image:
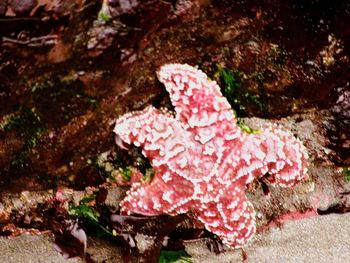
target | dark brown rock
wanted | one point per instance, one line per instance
(339, 126)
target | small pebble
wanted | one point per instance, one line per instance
(21, 7)
(3, 7)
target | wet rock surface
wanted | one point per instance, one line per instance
(69, 68)
(338, 127)
(92, 82)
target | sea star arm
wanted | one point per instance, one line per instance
(275, 152)
(157, 133)
(198, 102)
(168, 147)
(232, 217)
(286, 157)
(158, 197)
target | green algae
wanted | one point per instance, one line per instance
(27, 124)
(237, 95)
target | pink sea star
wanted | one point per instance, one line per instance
(203, 160)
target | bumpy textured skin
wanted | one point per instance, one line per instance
(202, 160)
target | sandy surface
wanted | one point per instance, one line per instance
(31, 249)
(317, 239)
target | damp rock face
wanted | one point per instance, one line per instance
(339, 127)
(103, 60)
